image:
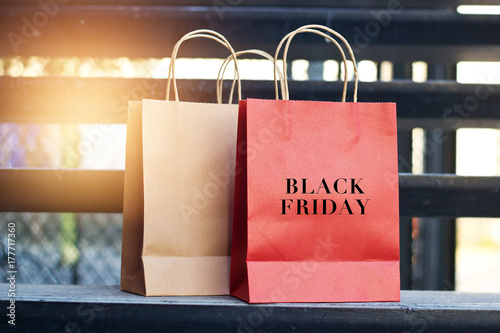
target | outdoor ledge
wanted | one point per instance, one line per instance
(65, 308)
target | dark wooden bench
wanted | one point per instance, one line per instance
(55, 308)
(426, 30)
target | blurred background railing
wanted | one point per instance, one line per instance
(69, 68)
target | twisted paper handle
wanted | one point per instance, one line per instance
(312, 29)
(220, 77)
(205, 33)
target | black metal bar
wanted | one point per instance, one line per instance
(435, 246)
(405, 164)
(315, 70)
(405, 223)
(70, 190)
(401, 71)
(400, 35)
(58, 308)
(443, 105)
(437, 236)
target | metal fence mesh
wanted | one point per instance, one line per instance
(64, 248)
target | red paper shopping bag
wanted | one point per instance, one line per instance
(316, 201)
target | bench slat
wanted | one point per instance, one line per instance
(61, 190)
(56, 308)
(441, 195)
(441, 104)
(152, 31)
(276, 3)
(46, 190)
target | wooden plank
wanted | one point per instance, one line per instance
(151, 31)
(61, 190)
(51, 190)
(440, 105)
(72, 100)
(438, 195)
(274, 3)
(58, 308)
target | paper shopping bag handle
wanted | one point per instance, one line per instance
(220, 77)
(287, 37)
(205, 33)
(311, 28)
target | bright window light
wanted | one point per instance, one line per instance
(250, 69)
(417, 150)
(367, 71)
(477, 152)
(350, 70)
(485, 72)
(330, 70)
(419, 71)
(299, 70)
(479, 10)
(386, 71)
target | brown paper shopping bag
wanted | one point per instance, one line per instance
(179, 183)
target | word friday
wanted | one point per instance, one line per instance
(311, 206)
